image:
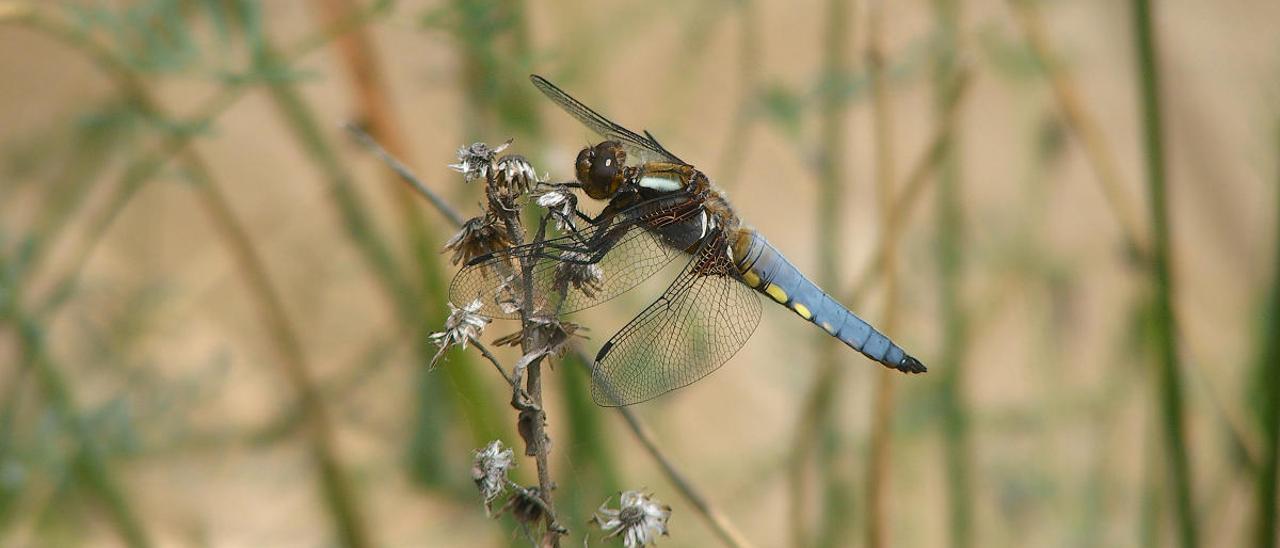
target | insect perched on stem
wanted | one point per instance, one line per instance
(659, 208)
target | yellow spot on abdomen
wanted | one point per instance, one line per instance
(830, 328)
(777, 293)
(803, 311)
(751, 278)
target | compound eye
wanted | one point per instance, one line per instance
(583, 165)
(604, 168)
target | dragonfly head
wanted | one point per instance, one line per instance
(600, 169)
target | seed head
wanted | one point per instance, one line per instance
(476, 161)
(462, 325)
(478, 236)
(489, 471)
(576, 271)
(525, 505)
(563, 204)
(514, 175)
(639, 520)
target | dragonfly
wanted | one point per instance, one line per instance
(658, 209)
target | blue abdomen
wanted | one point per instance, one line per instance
(765, 269)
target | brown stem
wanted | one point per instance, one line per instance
(921, 173)
(1084, 125)
(878, 471)
(714, 518)
(532, 419)
(496, 364)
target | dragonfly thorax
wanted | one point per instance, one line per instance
(601, 169)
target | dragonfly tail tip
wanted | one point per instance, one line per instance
(911, 365)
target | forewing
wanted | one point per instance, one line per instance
(691, 330)
(623, 254)
(644, 145)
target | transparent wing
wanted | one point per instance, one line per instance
(570, 273)
(691, 330)
(644, 145)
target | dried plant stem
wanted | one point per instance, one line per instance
(714, 518)
(918, 177)
(878, 472)
(912, 187)
(1084, 125)
(339, 494)
(404, 173)
(484, 351)
(1168, 377)
(719, 523)
(374, 105)
(532, 414)
(737, 141)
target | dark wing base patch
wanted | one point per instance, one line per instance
(703, 319)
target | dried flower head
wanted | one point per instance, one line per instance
(576, 270)
(476, 161)
(462, 325)
(514, 175)
(525, 505)
(479, 235)
(639, 521)
(563, 205)
(506, 295)
(489, 471)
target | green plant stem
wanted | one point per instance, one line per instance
(144, 168)
(1168, 376)
(1102, 160)
(595, 470)
(376, 110)
(1267, 393)
(340, 496)
(89, 460)
(832, 177)
(878, 461)
(950, 250)
(402, 295)
(912, 186)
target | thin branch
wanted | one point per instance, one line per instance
(917, 180)
(362, 137)
(1085, 126)
(484, 351)
(1168, 375)
(719, 523)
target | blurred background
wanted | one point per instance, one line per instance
(214, 307)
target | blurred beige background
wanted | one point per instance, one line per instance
(163, 350)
